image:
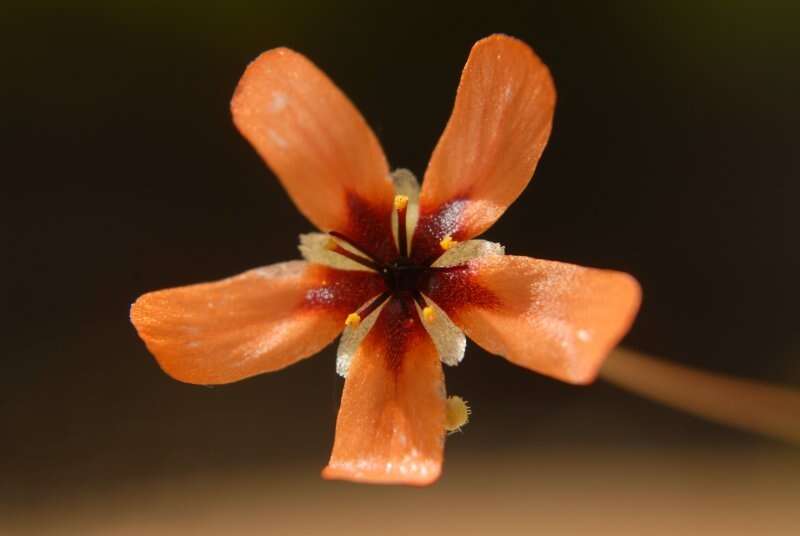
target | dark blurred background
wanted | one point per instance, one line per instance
(674, 156)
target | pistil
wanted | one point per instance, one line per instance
(334, 246)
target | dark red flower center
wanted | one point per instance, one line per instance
(404, 278)
(406, 275)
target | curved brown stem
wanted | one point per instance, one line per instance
(750, 405)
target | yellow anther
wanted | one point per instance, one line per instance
(352, 320)
(428, 314)
(457, 414)
(331, 244)
(447, 242)
(400, 202)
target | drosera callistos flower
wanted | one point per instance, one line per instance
(396, 270)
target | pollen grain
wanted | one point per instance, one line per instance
(400, 202)
(331, 244)
(448, 243)
(352, 320)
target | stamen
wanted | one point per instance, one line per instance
(353, 320)
(448, 243)
(333, 245)
(428, 314)
(457, 414)
(374, 304)
(401, 206)
(417, 295)
(361, 249)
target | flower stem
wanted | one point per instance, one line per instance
(750, 405)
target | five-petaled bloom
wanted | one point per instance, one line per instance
(397, 268)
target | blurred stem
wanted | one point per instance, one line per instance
(746, 404)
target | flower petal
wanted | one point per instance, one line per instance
(318, 145)
(554, 318)
(390, 427)
(491, 145)
(258, 321)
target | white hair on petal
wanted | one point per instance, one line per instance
(464, 252)
(315, 248)
(351, 339)
(449, 340)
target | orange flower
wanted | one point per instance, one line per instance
(398, 271)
